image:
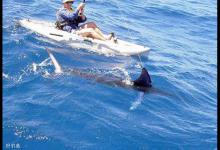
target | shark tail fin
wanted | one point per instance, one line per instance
(144, 79)
(57, 66)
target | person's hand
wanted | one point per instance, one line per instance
(81, 6)
(81, 12)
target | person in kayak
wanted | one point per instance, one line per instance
(69, 20)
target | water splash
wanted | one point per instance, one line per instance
(127, 79)
(39, 67)
(5, 75)
(138, 101)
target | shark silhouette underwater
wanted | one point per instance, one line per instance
(142, 83)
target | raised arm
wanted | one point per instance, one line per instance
(69, 15)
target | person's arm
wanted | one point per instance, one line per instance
(82, 19)
(69, 15)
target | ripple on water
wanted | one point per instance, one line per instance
(49, 111)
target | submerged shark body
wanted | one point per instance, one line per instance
(143, 83)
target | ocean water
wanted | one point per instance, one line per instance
(42, 110)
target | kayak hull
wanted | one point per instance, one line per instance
(48, 30)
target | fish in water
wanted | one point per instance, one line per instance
(143, 83)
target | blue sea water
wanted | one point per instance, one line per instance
(43, 111)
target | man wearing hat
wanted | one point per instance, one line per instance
(69, 20)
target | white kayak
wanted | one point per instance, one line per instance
(47, 29)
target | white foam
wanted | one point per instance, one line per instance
(34, 65)
(138, 101)
(127, 79)
(138, 66)
(5, 75)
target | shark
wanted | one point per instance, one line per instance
(142, 83)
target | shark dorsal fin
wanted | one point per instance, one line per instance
(144, 79)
